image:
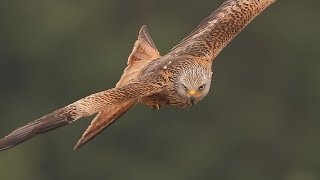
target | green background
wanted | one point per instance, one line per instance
(260, 120)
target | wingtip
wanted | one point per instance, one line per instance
(4, 147)
(79, 144)
(144, 26)
(76, 147)
(143, 29)
(5, 144)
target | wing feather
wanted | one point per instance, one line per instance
(217, 30)
(82, 108)
(143, 52)
(103, 120)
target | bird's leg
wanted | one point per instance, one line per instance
(156, 107)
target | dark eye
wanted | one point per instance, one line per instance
(185, 88)
(201, 88)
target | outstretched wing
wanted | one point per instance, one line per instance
(217, 30)
(81, 108)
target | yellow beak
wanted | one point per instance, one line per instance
(192, 92)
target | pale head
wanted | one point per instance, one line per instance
(194, 83)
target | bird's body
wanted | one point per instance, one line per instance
(166, 73)
(180, 78)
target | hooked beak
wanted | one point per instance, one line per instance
(193, 100)
(192, 94)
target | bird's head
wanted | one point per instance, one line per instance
(194, 83)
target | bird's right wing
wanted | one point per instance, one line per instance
(216, 31)
(82, 108)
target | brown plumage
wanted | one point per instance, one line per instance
(180, 78)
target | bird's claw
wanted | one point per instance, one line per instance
(156, 107)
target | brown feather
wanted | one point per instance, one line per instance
(144, 48)
(103, 120)
(217, 30)
(44, 124)
(143, 52)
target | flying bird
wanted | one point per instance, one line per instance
(181, 78)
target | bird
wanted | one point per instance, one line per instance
(180, 78)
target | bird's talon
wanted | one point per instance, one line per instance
(156, 107)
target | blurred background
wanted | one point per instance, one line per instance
(260, 120)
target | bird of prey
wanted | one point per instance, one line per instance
(180, 78)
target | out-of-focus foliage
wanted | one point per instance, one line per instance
(260, 121)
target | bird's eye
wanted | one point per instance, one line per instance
(201, 88)
(185, 88)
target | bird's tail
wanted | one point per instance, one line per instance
(44, 124)
(103, 120)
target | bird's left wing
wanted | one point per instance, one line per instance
(217, 30)
(82, 108)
